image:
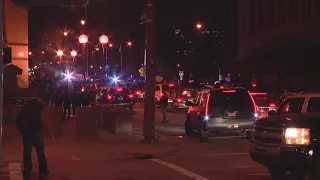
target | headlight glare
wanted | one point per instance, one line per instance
(297, 136)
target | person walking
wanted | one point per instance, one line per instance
(29, 123)
(164, 106)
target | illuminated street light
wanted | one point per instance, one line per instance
(30, 53)
(129, 43)
(83, 39)
(103, 39)
(199, 26)
(73, 54)
(110, 45)
(60, 53)
(65, 33)
(83, 22)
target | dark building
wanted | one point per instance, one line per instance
(279, 40)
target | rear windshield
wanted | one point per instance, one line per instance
(232, 98)
(261, 100)
(119, 92)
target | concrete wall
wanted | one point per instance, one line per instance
(16, 31)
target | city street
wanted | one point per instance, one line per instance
(125, 158)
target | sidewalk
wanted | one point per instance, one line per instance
(69, 157)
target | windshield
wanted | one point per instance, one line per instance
(291, 105)
(235, 99)
(119, 92)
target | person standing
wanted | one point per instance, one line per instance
(164, 105)
(76, 101)
(30, 125)
(66, 105)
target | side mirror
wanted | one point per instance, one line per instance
(271, 113)
(188, 103)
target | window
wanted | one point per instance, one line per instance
(314, 105)
(291, 105)
(231, 99)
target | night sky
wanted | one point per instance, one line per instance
(120, 19)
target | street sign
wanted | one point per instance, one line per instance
(141, 71)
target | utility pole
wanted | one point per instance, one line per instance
(1, 74)
(149, 106)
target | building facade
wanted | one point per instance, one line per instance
(16, 36)
(259, 20)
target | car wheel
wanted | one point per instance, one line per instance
(204, 135)
(276, 173)
(188, 128)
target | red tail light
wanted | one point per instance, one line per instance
(189, 95)
(254, 85)
(179, 100)
(161, 94)
(109, 97)
(138, 92)
(171, 85)
(130, 96)
(272, 105)
(119, 89)
(231, 91)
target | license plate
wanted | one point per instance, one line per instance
(233, 126)
(234, 114)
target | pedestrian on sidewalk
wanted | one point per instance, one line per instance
(164, 105)
(30, 125)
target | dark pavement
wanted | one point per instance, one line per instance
(118, 157)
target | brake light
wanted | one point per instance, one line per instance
(130, 96)
(109, 97)
(253, 94)
(230, 91)
(161, 94)
(179, 100)
(171, 85)
(221, 87)
(119, 89)
(272, 105)
(189, 95)
(138, 92)
(254, 85)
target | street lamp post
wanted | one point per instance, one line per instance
(73, 54)
(60, 54)
(83, 39)
(104, 40)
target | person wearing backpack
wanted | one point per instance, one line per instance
(29, 123)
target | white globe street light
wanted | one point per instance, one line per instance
(83, 39)
(104, 39)
(60, 54)
(73, 54)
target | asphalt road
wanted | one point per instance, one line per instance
(224, 157)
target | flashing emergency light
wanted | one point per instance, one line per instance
(115, 79)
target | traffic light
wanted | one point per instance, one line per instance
(7, 55)
(51, 3)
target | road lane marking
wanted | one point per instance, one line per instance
(15, 171)
(75, 158)
(223, 154)
(179, 169)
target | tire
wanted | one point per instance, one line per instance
(277, 174)
(188, 128)
(204, 136)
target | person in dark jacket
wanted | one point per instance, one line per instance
(30, 125)
(164, 105)
(66, 105)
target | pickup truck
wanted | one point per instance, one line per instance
(287, 141)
